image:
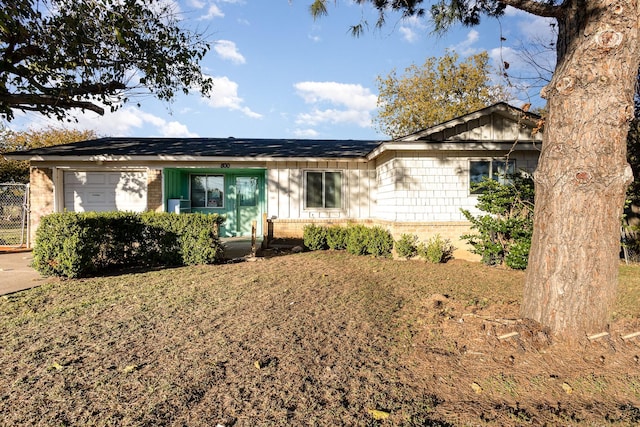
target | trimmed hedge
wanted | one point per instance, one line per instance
(73, 244)
(357, 239)
(314, 237)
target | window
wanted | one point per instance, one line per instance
(207, 191)
(498, 170)
(323, 189)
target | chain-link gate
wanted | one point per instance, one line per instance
(14, 214)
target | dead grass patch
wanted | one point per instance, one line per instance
(308, 339)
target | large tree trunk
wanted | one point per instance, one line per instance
(583, 174)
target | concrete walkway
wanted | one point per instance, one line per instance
(237, 247)
(16, 274)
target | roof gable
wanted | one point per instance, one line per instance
(497, 123)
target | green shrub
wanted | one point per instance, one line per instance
(194, 237)
(518, 255)
(379, 242)
(503, 234)
(407, 246)
(436, 250)
(314, 237)
(357, 239)
(64, 246)
(337, 237)
(82, 244)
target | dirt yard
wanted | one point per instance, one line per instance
(319, 339)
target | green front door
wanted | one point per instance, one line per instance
(247, 203)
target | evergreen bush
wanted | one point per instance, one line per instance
(436, 250)
(379, 242)
(503, 234)
(314, 237)
(73, 244)
(337, 237)
(407, 246)
(357, 239)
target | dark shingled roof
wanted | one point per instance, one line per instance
(211, 147)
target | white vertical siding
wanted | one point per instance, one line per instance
(285, 187)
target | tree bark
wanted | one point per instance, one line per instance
(583, 175)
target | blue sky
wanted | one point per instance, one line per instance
(280, 74)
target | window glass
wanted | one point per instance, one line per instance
(314, 190)
(215, 187)
(207, 191)
(198, 191)
(498, 170)
(478, 170)
(502, 172)
(323, 190)
(332, 187)
(247, 189)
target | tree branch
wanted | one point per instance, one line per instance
(544, 10)
(96, 88)
(32, 102)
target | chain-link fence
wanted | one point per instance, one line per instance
(14, 214)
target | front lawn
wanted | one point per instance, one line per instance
(320, 338)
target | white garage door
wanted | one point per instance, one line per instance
(105, 191)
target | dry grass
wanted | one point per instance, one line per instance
(308, 339)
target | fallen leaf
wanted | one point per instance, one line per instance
(257, 364)
(567, 388)
(378, 415)
(476, 387)
(56, 366)
(129, 368)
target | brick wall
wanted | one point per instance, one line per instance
(40, 197)
(154, 190)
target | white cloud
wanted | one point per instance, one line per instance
(122, 122)
(356, 102)
(499, 55)
(530, 27)
(411, 28)
(316, 117)
(225, 95)
(228, 50)
(198, 4)
(408, 34)
(537, 28)
(305, 133)
(213, 12)
(466, 47)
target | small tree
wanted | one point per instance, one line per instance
(504, 233)
(18, 170)
(443, 88)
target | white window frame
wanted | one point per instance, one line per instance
(324, 193)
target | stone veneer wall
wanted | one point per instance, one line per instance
(41, 199)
